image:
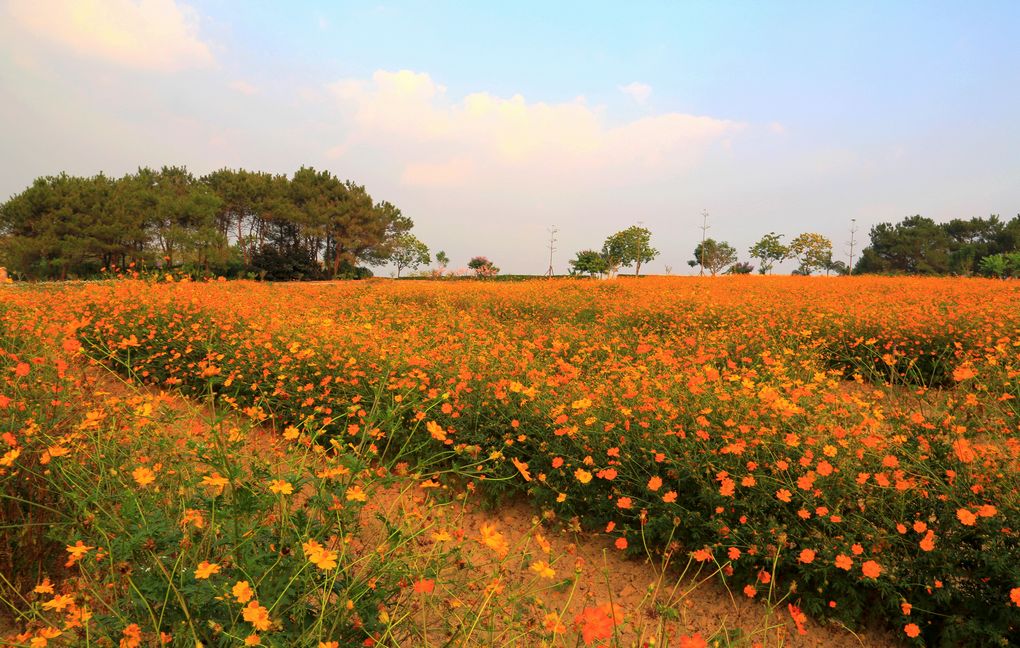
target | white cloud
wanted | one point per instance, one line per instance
(157, 35)
(448, 173)
(410, 117)
(637, 91)
(243, 87)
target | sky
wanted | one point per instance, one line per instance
(488, 123)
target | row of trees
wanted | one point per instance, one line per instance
(919, 245)
(626, 248)
(309, 225)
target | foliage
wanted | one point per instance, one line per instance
(1001, 266)
(409, 252)
(64, 226)
(628, 247)
(482, 267)
(769, 250)
(589, 262)
(713, 256)
(919, 245)
(442, 259)
(813, 251)
(740, 268)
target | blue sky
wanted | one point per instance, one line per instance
(488, 122)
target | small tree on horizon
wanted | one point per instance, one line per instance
(590, 262)
(769, 250)
(628, 247)
(814, 252)
(409, 252)
(482, 267)
(715, 255)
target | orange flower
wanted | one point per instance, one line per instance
(750, 591)
(621, 543)
(1014, 595)
(242, 591)
(424, 586)
(871, 569)
(494, 540)
(692, 641)
(843, 562)
(45, 587)
(597, 623)
(669, 497)
(582, 475)
(281, 487)
(356, 494)
(783, 495)
(624, 502)
(58, 602)
(912, 630)
(543, 570)
(966, 517)
(799, 618)
(257, 615)
(522, 468)
(702, 555)
(655, 483)
(806, 556)
(143, 476)
(206, 569)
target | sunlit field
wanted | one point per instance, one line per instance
(239, 463)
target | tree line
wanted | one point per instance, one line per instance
(915, 246)
(230, 222)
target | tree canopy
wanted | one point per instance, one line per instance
(713, 256)
(919, 245)
(310, 225)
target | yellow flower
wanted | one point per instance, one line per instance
(582, 475)
(143, 476)
(242, 591)
(291, 433)
(252, 640)
(542, 569)
(494, 540)
(280, 486)
(355, 494)
(319, 556)
(215, 482)
(257, 615)
(206, 569)
(58, 602)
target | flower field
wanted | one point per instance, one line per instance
(848, 448)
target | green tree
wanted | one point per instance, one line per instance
(769, 250)
(409, 252)
(917, 245)
(713, 256)
(482, 267)
(813, 251)
(628, 247)
(590, 262)
(442, 259)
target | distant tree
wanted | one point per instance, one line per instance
(812, 250)
(482, 267)
(628, 247)
(713, 255)
(769, 250)
(409, 252)
(916, 245)
(590, 262)
(442, 260)
(740, 268)
(834, 266)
